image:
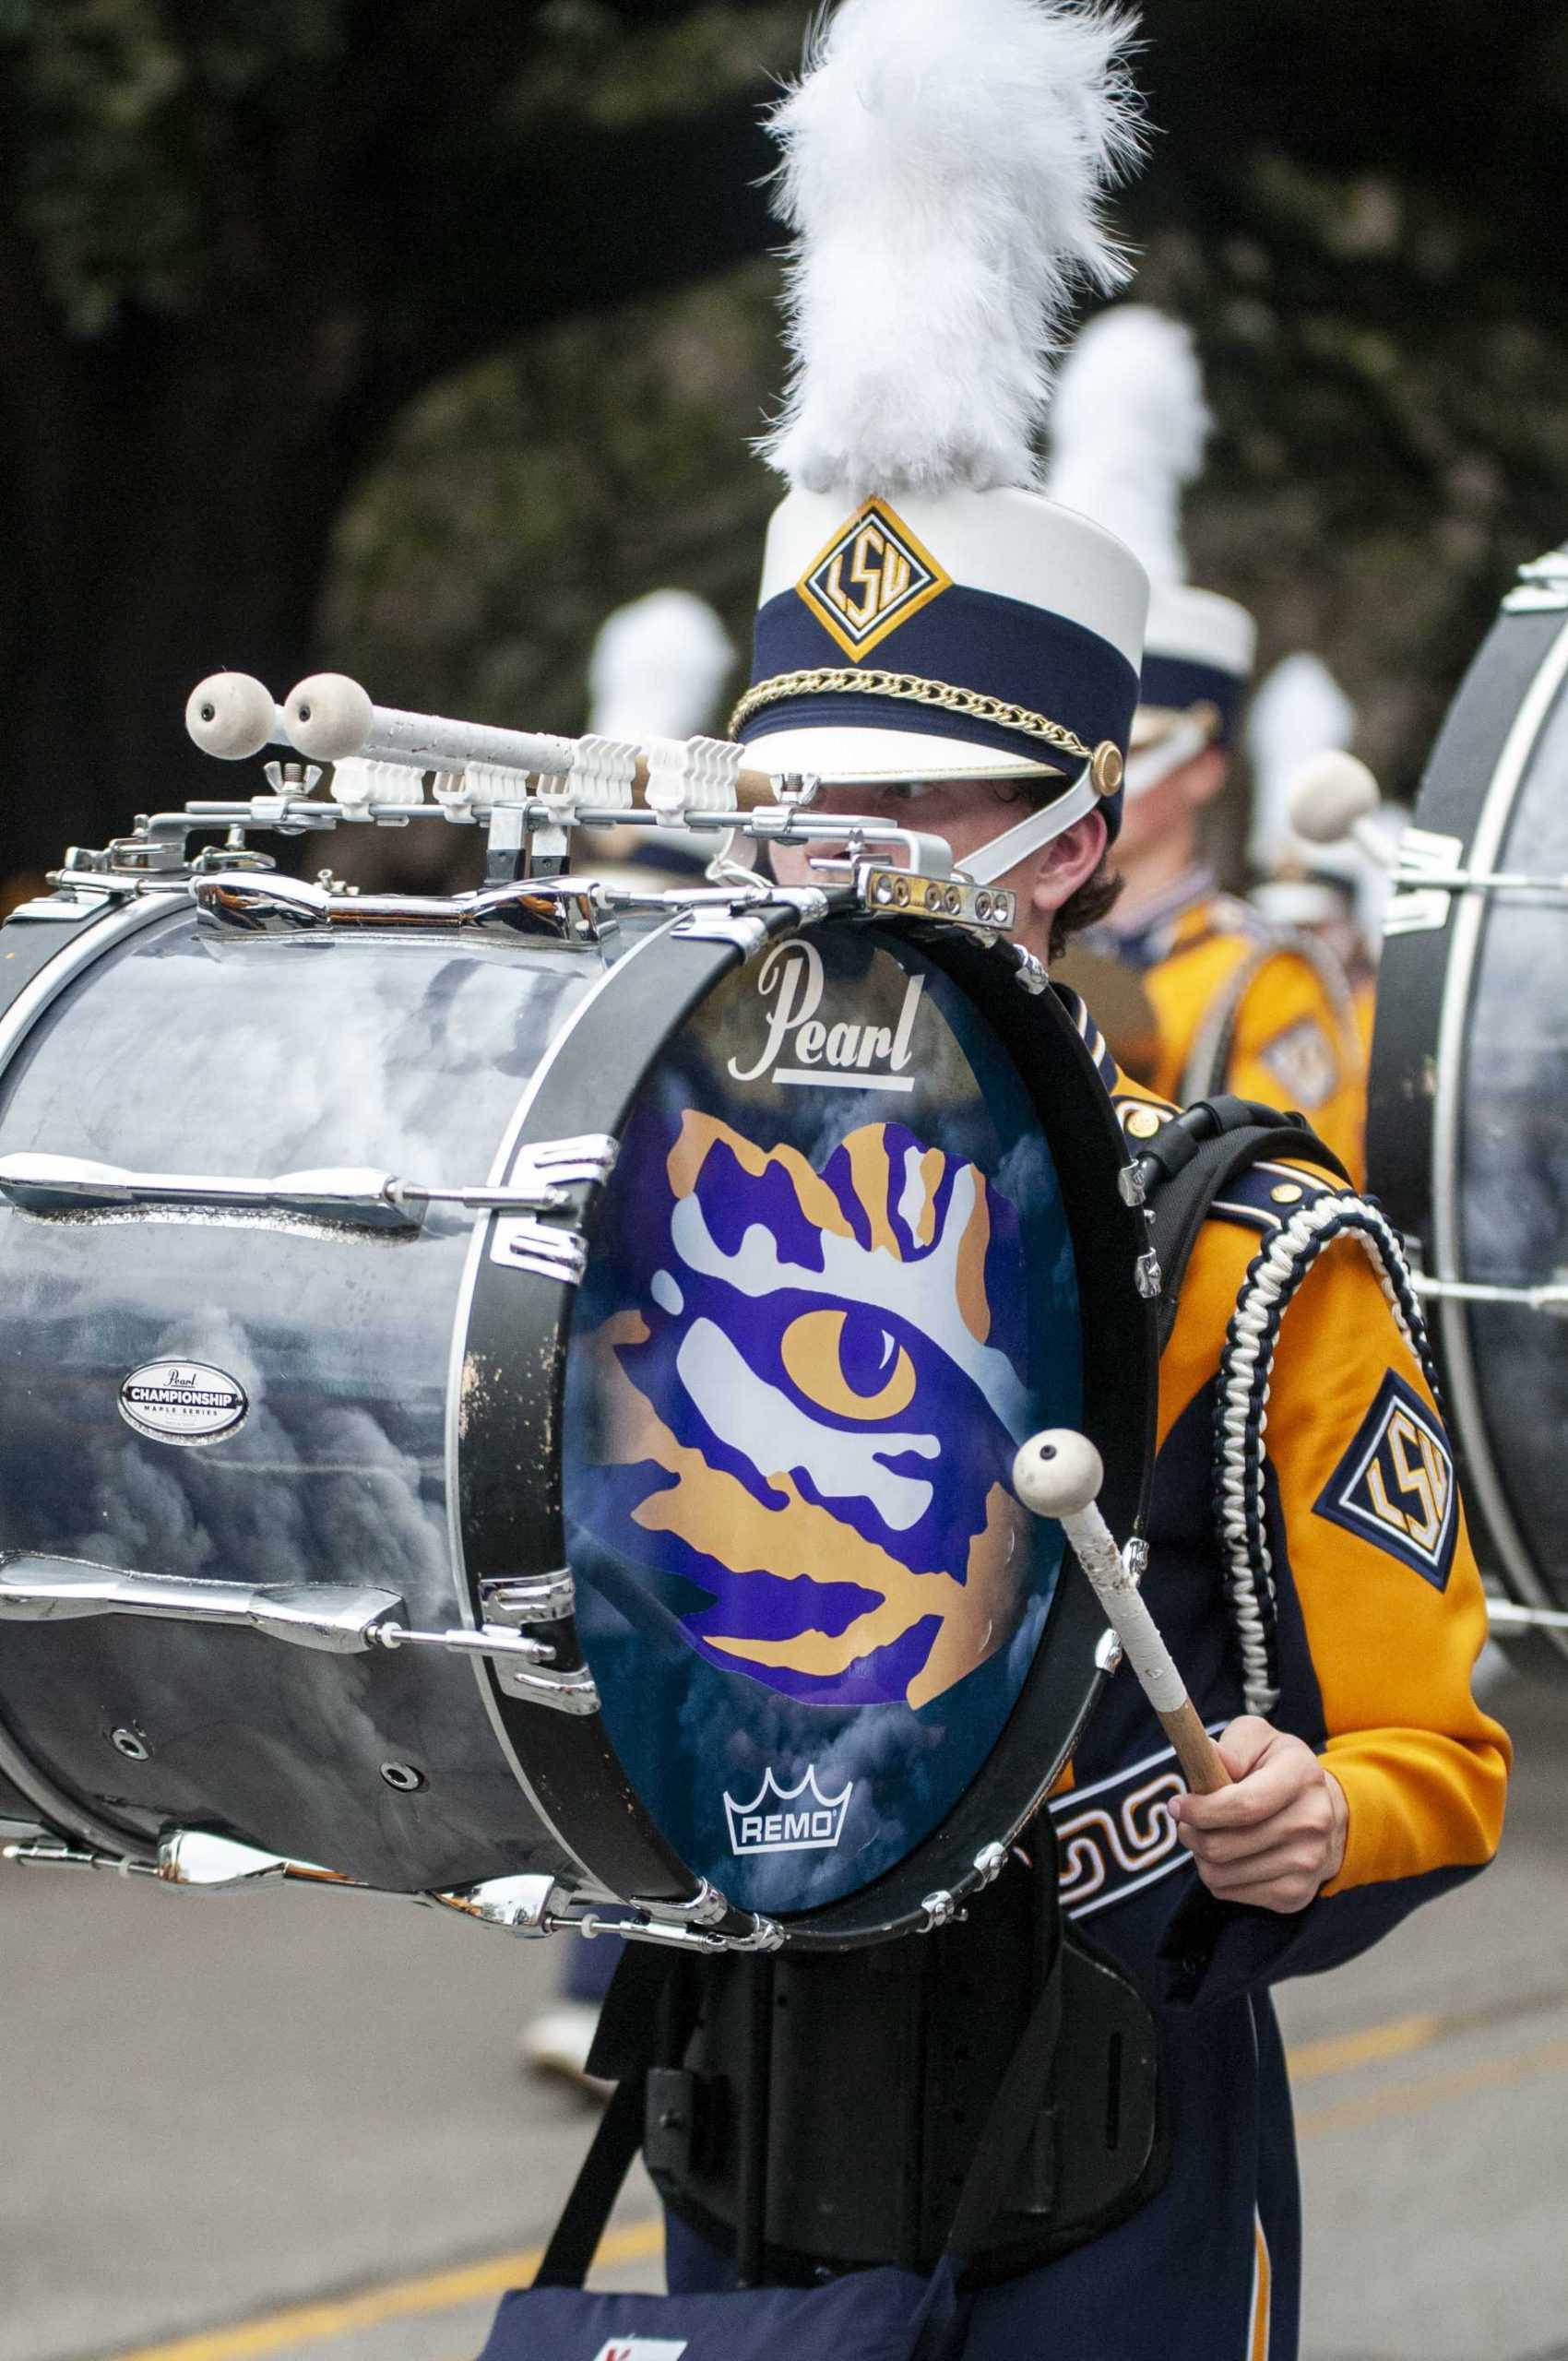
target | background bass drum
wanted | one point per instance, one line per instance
(1468, 1130)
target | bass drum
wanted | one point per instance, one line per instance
(694, 1473)
(1467, 1130)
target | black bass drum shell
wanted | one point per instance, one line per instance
(1467, 1118)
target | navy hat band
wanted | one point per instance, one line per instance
(1176, 684)
(991, 646)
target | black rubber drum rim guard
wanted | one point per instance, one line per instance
(515, 1359)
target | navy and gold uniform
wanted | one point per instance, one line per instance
(1362, 1647)
(1378, 1619)
(1239, 1007)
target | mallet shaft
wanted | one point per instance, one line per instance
(1203, 1766)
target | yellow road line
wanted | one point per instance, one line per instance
(1434, 2090)
(1342, 2051)
(440, 2291)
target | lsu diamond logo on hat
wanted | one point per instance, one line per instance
(871, 578)
(1395, 1486)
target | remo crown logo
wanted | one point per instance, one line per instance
(871, 576)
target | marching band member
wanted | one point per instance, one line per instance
(1334, 892)
(658, 669)
(1238, 1005)
(944, 646)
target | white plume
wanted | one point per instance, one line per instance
(1300, 712)
(1128, 429)
(656, 669)
(945, 163)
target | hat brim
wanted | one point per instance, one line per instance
(844, 757)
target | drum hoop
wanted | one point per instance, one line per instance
(90, 937)
(478, 1248)
(1474, 1431)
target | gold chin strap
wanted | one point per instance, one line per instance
(1104, 762)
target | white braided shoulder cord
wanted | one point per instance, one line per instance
(1242, 1414)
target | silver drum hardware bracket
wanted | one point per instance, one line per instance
(335, 1619)
(200, 1860)
(40, 1183)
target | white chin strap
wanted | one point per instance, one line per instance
(1041, 828)
(1153, 764)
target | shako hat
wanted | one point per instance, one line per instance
(658, 669)
(1129, 428)
(1298, 713)
(926, 613)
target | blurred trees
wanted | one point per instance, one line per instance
(236, 240)
(414, 333)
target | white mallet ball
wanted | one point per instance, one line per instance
(1329, 795)
(1058, 1473)
(328, 716)
(231, 716)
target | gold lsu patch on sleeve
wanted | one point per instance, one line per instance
(1304, 1061)
(1394, 1487)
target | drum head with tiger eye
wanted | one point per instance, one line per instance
(833, 1289)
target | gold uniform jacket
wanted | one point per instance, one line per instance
(1241, 1009)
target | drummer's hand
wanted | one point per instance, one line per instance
(1279, 1834)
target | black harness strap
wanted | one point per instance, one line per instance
(648, 2012)
(1190, 1163)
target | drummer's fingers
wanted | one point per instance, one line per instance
(1272, 1777)
(1284, 1879)
(1308, 1816)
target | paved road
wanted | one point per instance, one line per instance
(302, 2114)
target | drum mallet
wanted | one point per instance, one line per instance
(1335, 800)
(329, 718)
(1059, 1474)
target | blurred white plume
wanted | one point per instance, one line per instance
(945, 167)
(658, 668)
(1128, 429)
(1300, 712)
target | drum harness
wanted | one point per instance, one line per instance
(988, 2137)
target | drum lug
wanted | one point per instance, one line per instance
(1543, 586)
(941, 1910)
(512, 1600)
(1030, 975)
(528, 1906)
(989, 1862)
(549, 1249)
(1147, 1276)
(194, 1857)
(706, 1907)
(563, 1692)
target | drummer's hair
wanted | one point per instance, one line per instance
(1096, 897)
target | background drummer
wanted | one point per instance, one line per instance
(1236, 1004)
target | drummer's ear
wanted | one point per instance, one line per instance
(1067, 862)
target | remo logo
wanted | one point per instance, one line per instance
(827, 1057)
